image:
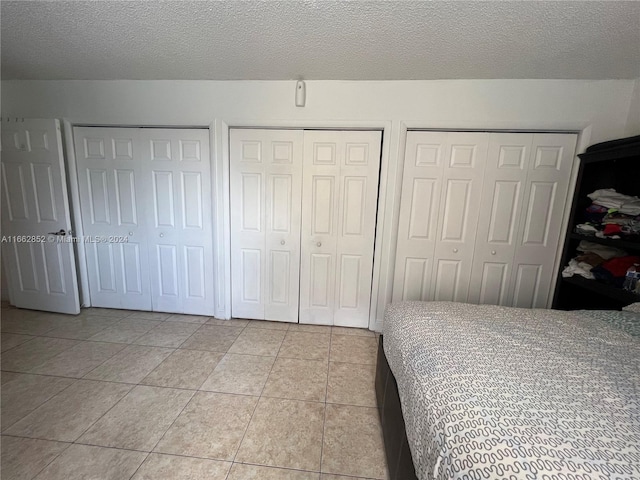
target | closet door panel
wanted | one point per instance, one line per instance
(110, 181)
(283, 185)
(500, 213)
(356, 227)
(419, 207)
(462, 179)
(266, 172)
(323, 153)
(340, 191)
(545, 196)
(177, 169)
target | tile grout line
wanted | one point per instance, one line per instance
(326, 398)
(257, 402)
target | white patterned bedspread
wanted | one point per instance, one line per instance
(497, 392)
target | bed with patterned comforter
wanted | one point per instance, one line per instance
(496, 392)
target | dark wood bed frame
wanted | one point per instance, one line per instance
(394, 432)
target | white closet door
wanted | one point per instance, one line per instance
(500, 211)
(41, 269)
(550, 165)
(177, 195)
(464, 163)
(419, 207)
(266, 172)
(340, 190)
(110, 184)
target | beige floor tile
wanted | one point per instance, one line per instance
(199, 319)
(172, 467)
(10, 340)
(23, 458)
(352, 384)
(213, 338)
(211, 426)
(19, 314)
(310, 346)
(105, 312)
(6, 377)
(358, 332)
(149, 315)
(234, 322)
(240, 374)
(34, 352)
(130, 365)
(301, 327)
(268, 325)
(79, 359)
(297, 379)
(258, 341)
(168, 334)
(83, 462)
(139, 420)
(81, 328)
(284, 433)
(353, 349)
(27, 322)
(253, 472)
(353, 442)
(329, 476)
(126, 330)
(184, 369)
(24, 393)
(67, 415)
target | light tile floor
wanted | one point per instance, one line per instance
(116, 394)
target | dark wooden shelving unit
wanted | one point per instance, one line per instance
(609, 165)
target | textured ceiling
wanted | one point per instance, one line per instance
(317, 40)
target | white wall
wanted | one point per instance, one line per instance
(633, 120)
(597, 109)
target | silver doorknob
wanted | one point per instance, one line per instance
(131, 234)
(319, 244)
(455, 250)
(493, 252)
(281, 242)
(162, 235)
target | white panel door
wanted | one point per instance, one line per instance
(545, 196)
(266, 172)
(464, 162)
(339, 204)
(500, 211)
(113, 216)
(41, 267)
(177, 194)
(419, 207)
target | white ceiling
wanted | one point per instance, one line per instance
(318, 40)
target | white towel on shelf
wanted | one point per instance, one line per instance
(608, 197)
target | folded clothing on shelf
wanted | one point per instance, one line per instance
(608, 197)
(603, 251)
(613, 271)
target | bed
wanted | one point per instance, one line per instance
(490, 392)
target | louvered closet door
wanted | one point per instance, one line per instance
(110, 183)
(266, 172)
(505, 179)
(339, 203)
(464, 162)
(419, 207)
(177, 195)
(545, 197)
